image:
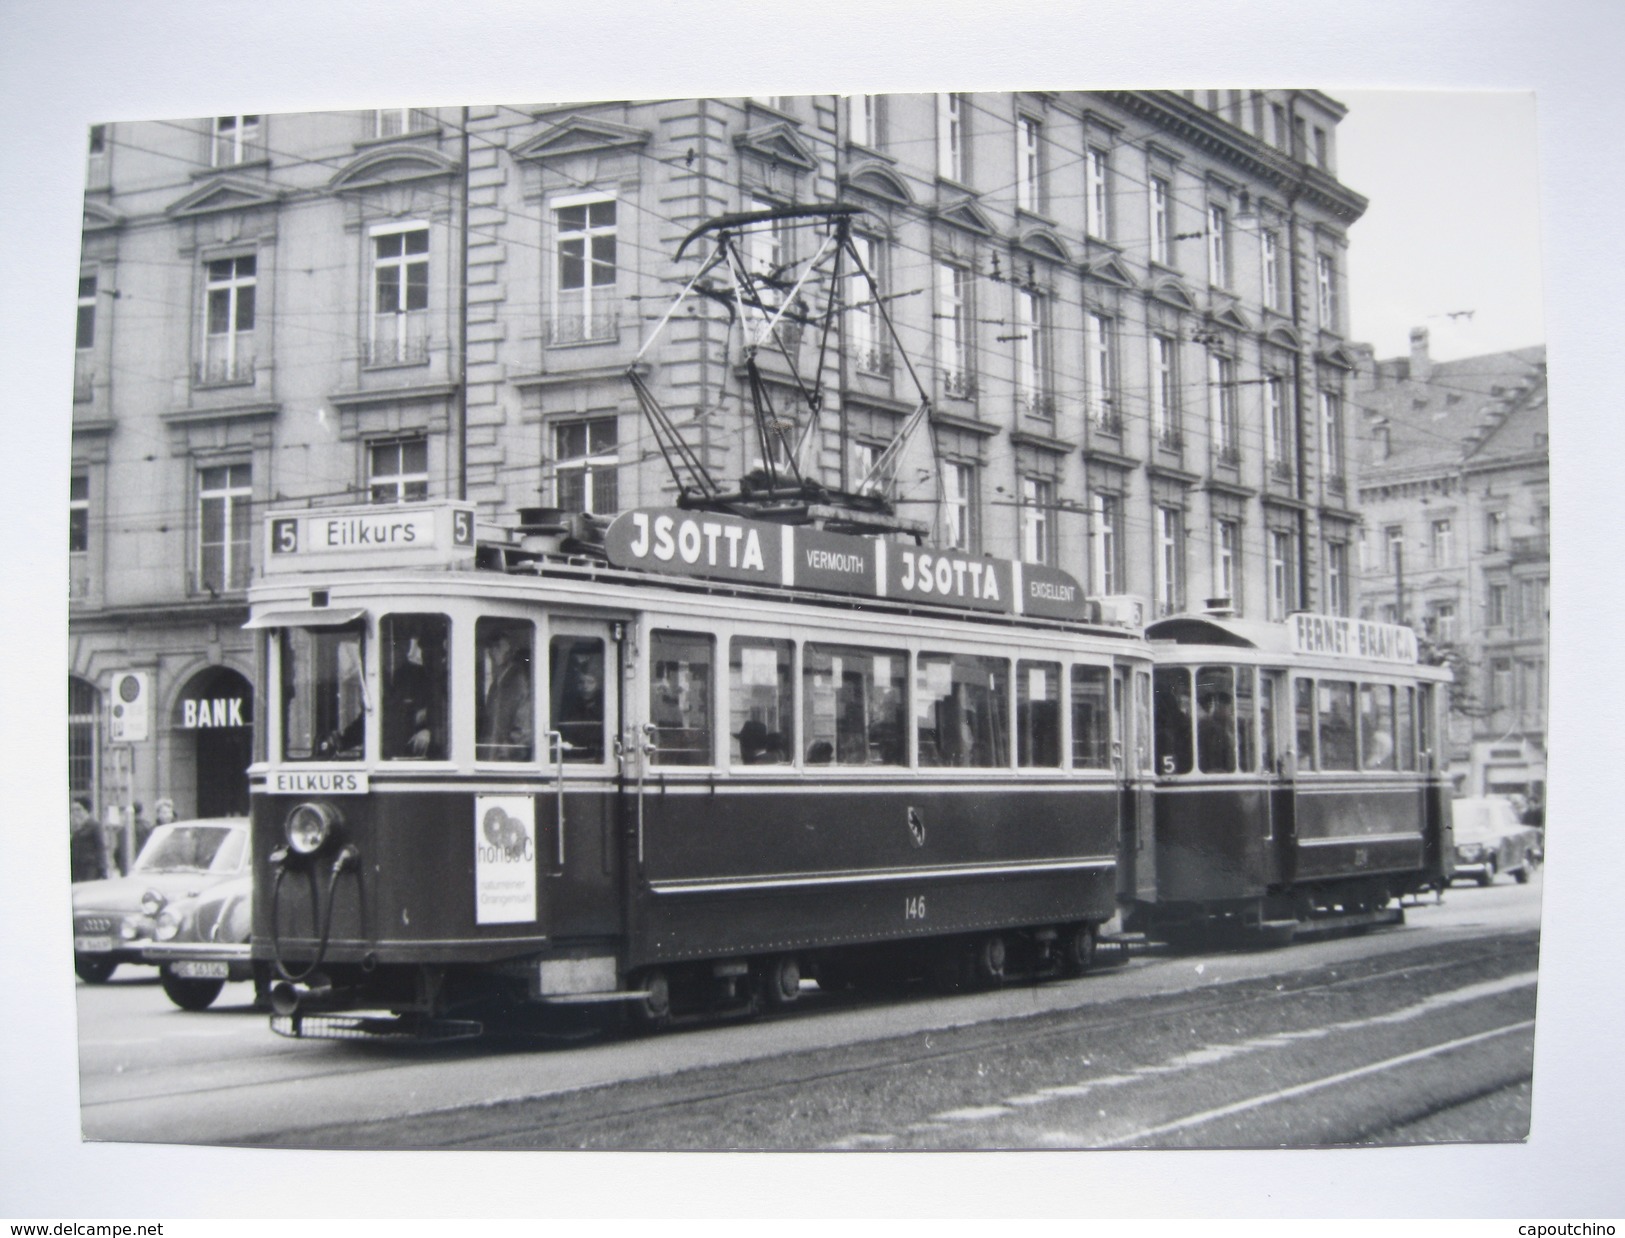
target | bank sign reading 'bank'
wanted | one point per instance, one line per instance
(718, 547)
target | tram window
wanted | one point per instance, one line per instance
(760, 701)
(1091, 725)
(575, 679)
(1246, 756)
(1424, 720)
(1173, 714)
(852, 705)
(504, 691)
(1304, 722)
(1142, 721)
(1336, 724)
(680, 698)
(959, 710)
(324, 696)
(1216, 721)
(1406, 719)
(413, 652)
(1377, 727)
(1266, 720)
(1038, 715)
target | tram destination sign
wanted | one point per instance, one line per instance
(375, 536)
(719, 547)
(1352, 638)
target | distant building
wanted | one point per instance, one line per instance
(1456, 494)
(1128, 309)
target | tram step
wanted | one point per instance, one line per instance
(1342, 921)
(373, 1027)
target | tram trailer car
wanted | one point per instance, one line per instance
(1299, 778)
(495, 778)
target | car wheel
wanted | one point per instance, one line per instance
(1487, 877)
(93, 970)
(190, 994)
(1521, 873)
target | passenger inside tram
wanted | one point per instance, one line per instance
(1172, 707)
(578, 712)
(503, 721)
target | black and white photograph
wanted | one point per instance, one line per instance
(994, 620)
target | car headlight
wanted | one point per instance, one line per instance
(168, 926)
(152, 902)
(309, 826)
(132, 927)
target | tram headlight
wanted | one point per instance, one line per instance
(309, 826)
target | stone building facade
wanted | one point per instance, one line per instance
(1128, 310)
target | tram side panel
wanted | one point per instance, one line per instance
(1210, 842)
(1356, 829)
(805, 865)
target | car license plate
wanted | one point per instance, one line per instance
(92, 945)
(197, 969)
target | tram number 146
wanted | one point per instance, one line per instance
(914, 907)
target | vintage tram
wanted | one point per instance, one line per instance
(515, 769)
(1299, 778)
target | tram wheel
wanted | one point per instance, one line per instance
(781, 983)
(1078, 949)
(653, 1010)
(991, 955)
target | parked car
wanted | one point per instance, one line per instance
(202, 942)
(1490, 839)
(113, 920)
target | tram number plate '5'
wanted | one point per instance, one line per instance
(914, 907)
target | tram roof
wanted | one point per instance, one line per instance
(1221, 630)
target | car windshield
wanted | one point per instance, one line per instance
(193, 849)
(1476, 819)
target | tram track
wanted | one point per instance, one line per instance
(812, 1083)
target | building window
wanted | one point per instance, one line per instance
(398, 470)
(1226, 552)
(1218, 246)
(1032, 356)
(1037, 501)
(78, 536)
(951, 137)
(1326, 290)
(1441, 543)
(85, 329)
(1495, 607)
(586, 271)
(228, 330)
(97, 153)
(1108, 543)
(1097, 194)
(1161, 231)
(1532, 692)
(863, 120)
(1030, 170)
(1269, 244)
(585, 473)
(1500, 683)
(225, 500)
(1226, 427)
(400, 302)
(236, 140)
(1331, 417)
(1281, 136)
(1495, 531)
(959, 505)
(1164, 392)
(866, 327)
(394, 121)
(1442, 622)
(1532, 606)
(1282, 448)
(1337, 577)
(1283, 574)
(1170, 560)
(1394, 540)
(953, 329)
(1323, 149)
(1101, 372)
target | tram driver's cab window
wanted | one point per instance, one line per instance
(324, 694)
(852, 705)
(1216, 720)
(1335, 724)
(575, 675)
(413, 656)
(959, 708)
(1172, 706)
(504, 709)
(760, 701)
(680, 698)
